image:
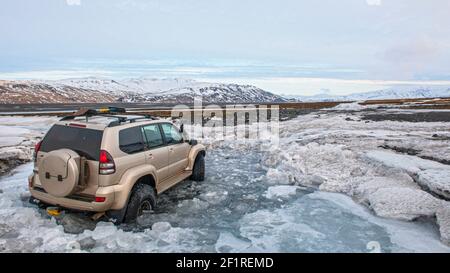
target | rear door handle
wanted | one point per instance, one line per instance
(150, 155)
(170, 149)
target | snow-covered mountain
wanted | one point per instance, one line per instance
(398, 92)
(40, 92)
(175, 90)
(130, 90)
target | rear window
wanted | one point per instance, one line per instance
(131, 140)
(86, 142)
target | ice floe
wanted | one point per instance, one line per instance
(238, 208)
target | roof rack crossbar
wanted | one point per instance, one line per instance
(120, 119)
(91, 115)
(131, 120)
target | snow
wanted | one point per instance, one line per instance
(23, 127)
(346, 157)
(403, 203)
(443, 220)
(354, 106)
(137, 85)
(168, 89)
(411, 164)
(18, 135)
(11, 136)
(398, 92)
(436, 180)
(14, 130)
(259, 197)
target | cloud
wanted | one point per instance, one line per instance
(405, 60)
(73, 2)
(315, 86)
(373, 2)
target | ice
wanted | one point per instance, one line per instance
(365, 187)
(321, 222)
(411, 164)
(161, 227)
(403, 203)
(443, 220)
(12, 136)
(17, 138)
(279, 230)
(276, 192)
(228, 243)
(13, 153)
(436, 180)
(260, 197)
(277, 176)
(87, 243)
(405, 236)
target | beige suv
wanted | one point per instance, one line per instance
(116, 164)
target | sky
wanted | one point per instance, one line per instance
(284, 46)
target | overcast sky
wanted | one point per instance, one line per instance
(347, 40)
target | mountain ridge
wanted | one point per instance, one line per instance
(399, 92)
(167, 90)
(179, 91)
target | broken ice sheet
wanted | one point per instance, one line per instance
(228, 212)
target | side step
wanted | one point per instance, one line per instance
(171, 181)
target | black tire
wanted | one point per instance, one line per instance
(142, 195)
(198, 172)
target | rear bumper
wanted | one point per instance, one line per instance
(75, 203)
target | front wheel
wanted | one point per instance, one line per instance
(142, 199)
(198, 172)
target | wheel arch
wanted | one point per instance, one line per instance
(142, 174)
(196, 150)
(147, 179)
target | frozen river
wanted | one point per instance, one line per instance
(256, 198)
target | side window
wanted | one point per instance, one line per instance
(153, 135)
(171, 133)
(131, 140)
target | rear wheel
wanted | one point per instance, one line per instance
(142, 199)
(198, 172)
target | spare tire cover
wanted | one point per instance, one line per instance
(59, 172)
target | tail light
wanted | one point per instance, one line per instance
(100, 199)
(37, 147)
(106, 163)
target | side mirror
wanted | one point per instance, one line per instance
(181, 128)
(193, 142)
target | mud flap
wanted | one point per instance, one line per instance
(117, 216)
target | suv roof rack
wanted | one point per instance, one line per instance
(106, 112)
(131, 120)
